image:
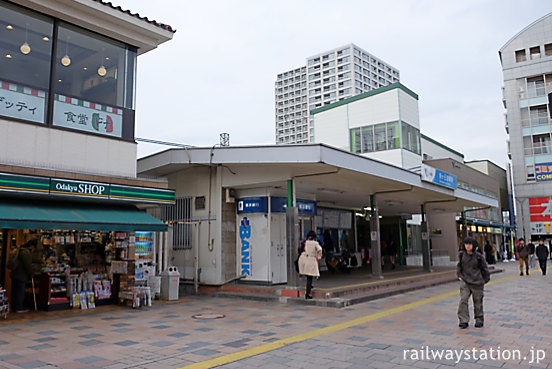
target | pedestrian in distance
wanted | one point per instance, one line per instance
(473, 273)
(542, 255)
(523, 255)
(532, 261)
(21, 273)
(308, 261)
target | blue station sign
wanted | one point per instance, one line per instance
(434, 175)
(253, 205)
(279, 204)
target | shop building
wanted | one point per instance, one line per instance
(68, 153)
(526, 61)
(233, 203)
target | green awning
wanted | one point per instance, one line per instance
(50, 215)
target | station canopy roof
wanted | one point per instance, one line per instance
(333, 177)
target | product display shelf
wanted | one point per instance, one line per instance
(53, 292)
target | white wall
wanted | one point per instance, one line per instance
(398, 157)
(393, 157)
(437, 152)
(380, 108)
(332, 127)
(409, 112)
(43, 147)
(195, 183)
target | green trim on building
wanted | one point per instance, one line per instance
(142, 194)
(365, 95)
(74, 188)
(441, 145)
(10, 182)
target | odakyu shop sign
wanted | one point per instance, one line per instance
(79, 188)
(86, 116)
(540, 212)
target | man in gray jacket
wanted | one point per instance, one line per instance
(473, 273)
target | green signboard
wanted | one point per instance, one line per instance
(72, 188)
(78, 188)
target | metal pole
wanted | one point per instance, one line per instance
(426, 252)
(292, 241)
(375, 239)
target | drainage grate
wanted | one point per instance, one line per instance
(208, 316)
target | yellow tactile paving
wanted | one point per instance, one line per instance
(236, 356)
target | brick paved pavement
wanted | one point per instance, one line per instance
(369, 335)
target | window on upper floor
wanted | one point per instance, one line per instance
(548, 49)
(25, 54)
(535, 87)
(535, 52)
(93, 77)
(520, 56)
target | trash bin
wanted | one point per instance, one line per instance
(170, 282)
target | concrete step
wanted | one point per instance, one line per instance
(378, 291)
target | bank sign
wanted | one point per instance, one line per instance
(540, 211)
(434, 175)
(543, 172)
(245, 253)
(79, 188)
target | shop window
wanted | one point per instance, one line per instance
(179, 215)
(520, 56)
(25, 53)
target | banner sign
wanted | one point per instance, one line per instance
(540, 212)
(245, 252)
(68, 187)
(434, 175)
(543, 172)
(79, 188)
(253, 205)
(86, 116)
(21, 102)
(279, 205)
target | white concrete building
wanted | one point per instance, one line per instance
(527, 95)
(382, 124)
(328, 77)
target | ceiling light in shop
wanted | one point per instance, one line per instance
(102, 71)
(25, 48)
(9, 26)
(66, 60)
(45, 38)
(8, 56)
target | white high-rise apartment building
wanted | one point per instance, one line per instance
(328, 77)
(527, 93)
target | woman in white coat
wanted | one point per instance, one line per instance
(308, 261)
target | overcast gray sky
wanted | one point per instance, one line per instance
(217, 74)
